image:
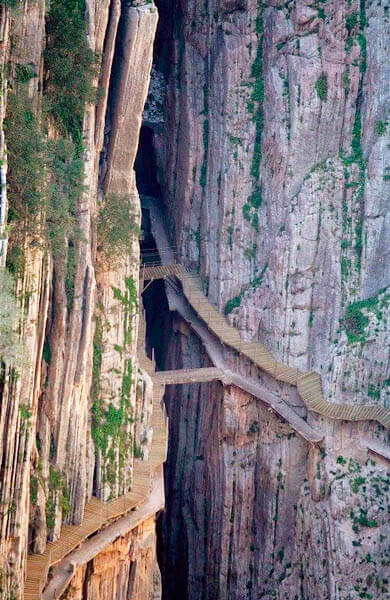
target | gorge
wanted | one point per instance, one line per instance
(194, 300)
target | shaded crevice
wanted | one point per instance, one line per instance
(145, 165)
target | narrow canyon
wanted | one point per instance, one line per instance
(194, 300)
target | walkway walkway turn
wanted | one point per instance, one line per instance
(307, 383)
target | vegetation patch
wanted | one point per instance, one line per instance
(33, 490)
(23, 73)
(356, 483)
(203, 172)
(117, 226)
(235, 302)
(322, 87)
(71, 67)
(11, 350)
(110, 423)
(57, 489)
(46, 177)
(10, 3)
(232, 304)
(26, 176)
(380, 127)
(64, 189)
(356, 317)
(255, 106)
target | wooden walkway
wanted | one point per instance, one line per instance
(98, 514)
(189, 376)
(307, 383)
(160, 272)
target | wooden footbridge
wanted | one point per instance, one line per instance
(307, 383)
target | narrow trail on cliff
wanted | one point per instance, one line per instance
(214, 331)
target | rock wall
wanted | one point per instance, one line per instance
(73, 413)
(272, 162)
(126, 570)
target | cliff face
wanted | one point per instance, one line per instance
(272, 162)
(77, 404)
(265, 140)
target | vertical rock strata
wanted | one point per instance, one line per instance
(272, 160)
(62, 443)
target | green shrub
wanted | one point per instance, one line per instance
(24, 73)
(255, 106)
(62, 231)
(346, 80)
(50, 513)
(64, 190)
(116, 226)
(25, 412)
(9, 3)
(71, 66)
(57, 485)
(322, 87)
(363, 52)
(355, 322)
(380, 127)
(364, 521)
(65, 501)
(203, 171)
(232, 304)
(26, 165)
(33, 489)
(356, 483)
(351, 21)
